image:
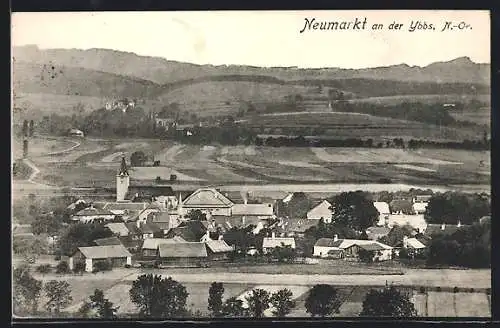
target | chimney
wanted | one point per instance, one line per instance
(443, 226)
(335, 237)
(273, 235)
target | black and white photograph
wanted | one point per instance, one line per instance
(207, 165)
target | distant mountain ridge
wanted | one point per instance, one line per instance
(163, 71)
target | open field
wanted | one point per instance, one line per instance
(93, 162)
(429, 99)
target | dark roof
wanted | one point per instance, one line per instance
(149, 228)
(185, 233)
(130, 243)
(434, 229)
(375, 232)
(107, 241)
(328, 242)
(132, 227)
(401, 205)
(198, 228)
(104, 252)
(183, 250)
(92, 211)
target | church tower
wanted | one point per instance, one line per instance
(122, 181)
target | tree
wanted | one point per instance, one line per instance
(103, 308)
(282, 302)
(197, 215)
(233, 308)
(138, 158)
(26, 290)
(284, 253)
(46, 224)
(388, 302)
(354, 210)
(81, 235)
(396, 235)
(158, 297)
(58, 295)
(215, 304)
(366, 256)
(322, 300)
(258, 302)
(62, 267)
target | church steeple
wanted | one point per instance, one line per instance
(123, 167)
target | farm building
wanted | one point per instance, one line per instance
(413, 245)
(116, 255)
(218, 249)
(118, 229)
(183, 253)
(351, 247)
(270, 243)
(374, 233)
(150, 246)
(75, 133)
(163, 221)
(92, 214)
(422, 198)
(383, 212)
(321, 211)
(107, 241)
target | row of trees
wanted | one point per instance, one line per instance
(454, 207)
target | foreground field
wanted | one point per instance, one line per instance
(352, 288)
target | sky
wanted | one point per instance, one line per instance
(270, 38)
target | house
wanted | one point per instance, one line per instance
(75, 133)
(351, 247)
(383, 212)
(116, 255)
(126, 210)
(374, 233)
(218, 249)
(416, 221)
(92, 214)
(149, 230)
(208, 200)
(118, 229)
(321, 211)
(107, 241)
(413, 245)
(401, 206)
(270, 243)
(297, 227)
(183, 253)
(419, 208)
(191, 231)
(150, 246)
(163, 221)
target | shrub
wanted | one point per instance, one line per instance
(62, 267)
(455, 289)
(472, 290)
(43, 268)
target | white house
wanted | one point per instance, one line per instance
(420, 207)
(268, 244)
(321, 211)
(416, 221)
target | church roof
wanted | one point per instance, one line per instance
(207, 197)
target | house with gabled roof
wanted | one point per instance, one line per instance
(150, 246)
(118, 229)
(116, 255)
(270, 243)
(208, 200)
(184, 253)
(323, 210)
